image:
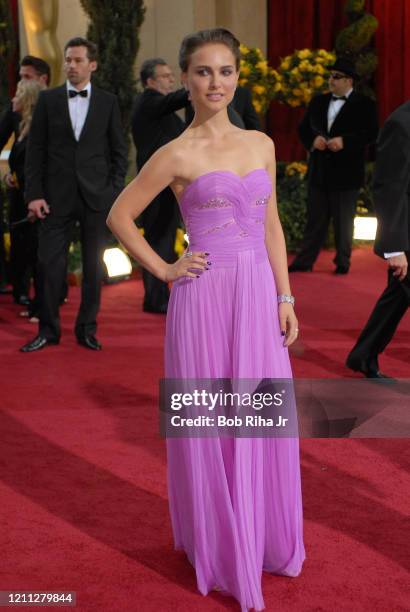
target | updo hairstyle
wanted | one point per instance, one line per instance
(192, 42)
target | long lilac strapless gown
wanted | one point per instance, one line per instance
(235, 503)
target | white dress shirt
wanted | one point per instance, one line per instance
(78, 109)
(334, 109)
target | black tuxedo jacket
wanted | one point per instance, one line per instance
(357, 124)
(17, 161)
(154, 121)
(9, 124)
(391, 187)
(57, 165)
(242, 104)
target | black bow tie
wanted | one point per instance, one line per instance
(334, 97)
(72, 93)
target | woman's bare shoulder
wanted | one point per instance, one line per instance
(259, 138)
(171, 155)
(175, 158)
(260, 145)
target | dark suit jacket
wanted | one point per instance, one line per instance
(17, 161)
(154, 122)
(9, 124)
(391, 186)
(57, 166)
(357, 123)
(241, 111)
(242, 103)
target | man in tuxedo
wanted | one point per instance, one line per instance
(30, 68)
(391, 190)
(335, 130)
(75, 167)
(154, 124)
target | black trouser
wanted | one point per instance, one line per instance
(383, 321)
(23, 246)
(160, 221)
(322, 205)
(54, 237)
(3, 273)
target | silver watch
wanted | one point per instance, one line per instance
(289, 299)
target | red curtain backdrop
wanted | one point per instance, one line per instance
(393, 50)
(12, 66)
(296, 24)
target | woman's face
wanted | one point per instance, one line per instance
(211, 77)
(16, 103)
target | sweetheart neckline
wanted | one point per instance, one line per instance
(240, 177)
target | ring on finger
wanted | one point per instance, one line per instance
(188, 254)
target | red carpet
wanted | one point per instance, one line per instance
(83, 482)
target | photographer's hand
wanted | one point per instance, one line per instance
(39, 208)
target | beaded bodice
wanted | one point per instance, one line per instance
(224, 211)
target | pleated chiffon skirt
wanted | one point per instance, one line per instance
(235, 503)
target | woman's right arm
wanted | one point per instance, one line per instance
(157, 174)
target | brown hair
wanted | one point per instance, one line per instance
(27, 94)
(192, 42)
(78, 41)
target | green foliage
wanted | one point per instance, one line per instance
(7, 48)
(114, 27)
(357, 35)
(354, 42)
(366, 63)
(354, 8)
(291, 191)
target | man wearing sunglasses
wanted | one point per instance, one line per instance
(336, 129)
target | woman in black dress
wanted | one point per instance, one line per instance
(23, 234)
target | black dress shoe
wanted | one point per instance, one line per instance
(90, 342)
(295, 267)
(341, 270)
(156, 309)
(38, 343)
(369, 371)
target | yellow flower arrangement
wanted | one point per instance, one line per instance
(299, 168)
(304, 53)
(259, 77)
(180, 244)
(297, 79)
(318, 81)
(259, 89)
(301, 76)
(263, 67)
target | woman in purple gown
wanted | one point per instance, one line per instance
(235, 503)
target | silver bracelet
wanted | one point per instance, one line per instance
(289, 299)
